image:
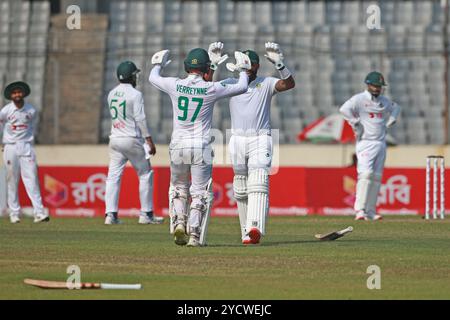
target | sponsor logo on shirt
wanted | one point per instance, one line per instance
(18, 126)
(119, 125)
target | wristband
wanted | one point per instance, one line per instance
(284, 72)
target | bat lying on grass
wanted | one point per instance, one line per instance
(83, 285)
(334, 235)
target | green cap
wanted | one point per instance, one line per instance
(16, 85)
(198, 59)
(126, 70)
(375, 78)
(254, 58)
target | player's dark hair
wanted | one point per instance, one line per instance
(132, 80)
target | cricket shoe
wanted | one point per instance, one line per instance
(40, 217)
(111, 218)
(246, 240)
(149, 218)
(374, 217)
(180, 236)
(361, 215)
(255, 235)
(194, 241)
(14, 218)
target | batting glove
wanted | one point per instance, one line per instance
(161, 58)
(274, 55)
(242, 62)
(215, 55)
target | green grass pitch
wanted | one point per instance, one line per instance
(413, 255)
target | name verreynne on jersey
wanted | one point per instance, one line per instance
(192, 91)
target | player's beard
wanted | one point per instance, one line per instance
(18, 101)
(251, 75)
(374, 93)
(134, 80)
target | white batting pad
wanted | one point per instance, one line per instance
(258, 199)
(241, 197)
(178, 198)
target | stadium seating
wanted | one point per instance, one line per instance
(326, 43)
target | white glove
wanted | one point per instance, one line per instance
(274, 55)
(215, 55)
(243, 62)
(161, 58)
(391, 122)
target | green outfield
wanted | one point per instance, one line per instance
(413, 255)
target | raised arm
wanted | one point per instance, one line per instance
(224, 89)
(275, 56)
(216, 57)
(285, 84)
(159, 61)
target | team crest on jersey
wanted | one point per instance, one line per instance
(259, 85)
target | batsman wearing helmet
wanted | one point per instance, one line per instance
(191, 154)
(130, 140)
(250, 145)
(370, 114)
(18, 119)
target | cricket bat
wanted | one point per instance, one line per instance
(334, 235)
(83, 285)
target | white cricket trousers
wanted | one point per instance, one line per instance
(20, 160)
(251, 157)
(250, 152)
(120, 151)
(190, 170)
(371, 156)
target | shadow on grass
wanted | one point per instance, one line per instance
(279, 243)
